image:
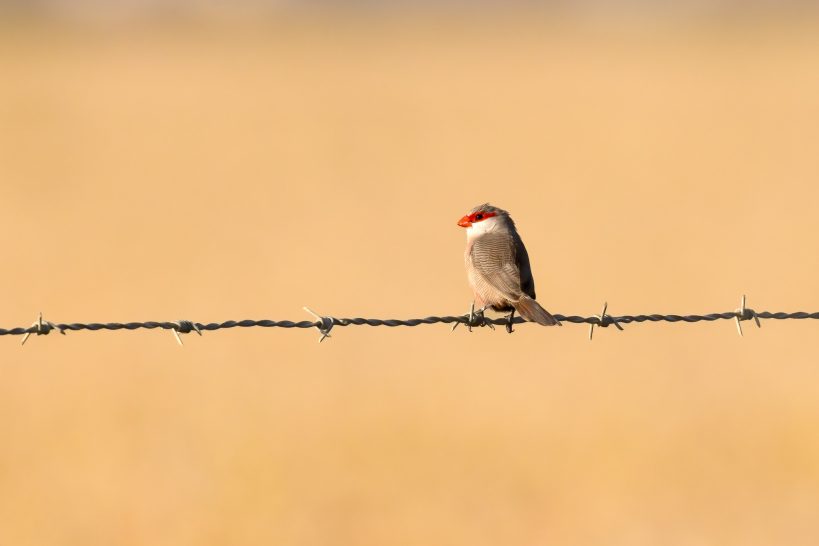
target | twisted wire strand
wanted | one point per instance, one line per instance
(188, 326)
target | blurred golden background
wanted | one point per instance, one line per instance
(242, 167)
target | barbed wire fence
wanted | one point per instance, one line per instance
(474, 319)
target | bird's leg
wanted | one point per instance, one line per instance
(469, 317)
(511, 319)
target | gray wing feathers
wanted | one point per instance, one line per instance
(495, 271)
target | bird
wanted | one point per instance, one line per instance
(497, 267)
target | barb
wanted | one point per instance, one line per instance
(603, 320)
(41, 328)
(745, 314)
(325, 324)
(477, 318)
(184, 327)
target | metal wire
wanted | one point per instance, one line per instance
(324, 324)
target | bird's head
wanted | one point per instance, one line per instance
(484, 218)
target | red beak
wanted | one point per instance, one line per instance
(464, 222)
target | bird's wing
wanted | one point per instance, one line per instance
(527, 282)
(495, 266)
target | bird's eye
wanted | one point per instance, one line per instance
(479, 217)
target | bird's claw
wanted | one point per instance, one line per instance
(510, 320)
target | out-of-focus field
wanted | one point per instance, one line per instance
(159, 173)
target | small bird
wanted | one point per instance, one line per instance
(497, 266)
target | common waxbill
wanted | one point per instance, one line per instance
(497, 266)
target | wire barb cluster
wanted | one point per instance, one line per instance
(185, 327)
(474, 319)
(603, 320)
(41, 328)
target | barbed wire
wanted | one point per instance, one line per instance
(471, 320)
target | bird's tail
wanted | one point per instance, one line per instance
(533, 312)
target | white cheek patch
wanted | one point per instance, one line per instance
(484, 226)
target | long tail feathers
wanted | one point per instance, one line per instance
(533, 312)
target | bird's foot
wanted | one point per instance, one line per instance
(481, 319)
(510, 320)
(475, 317)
